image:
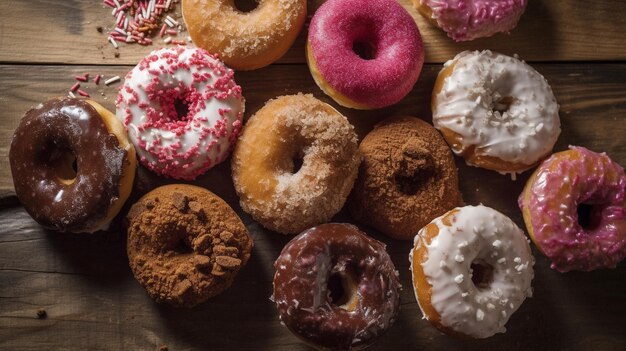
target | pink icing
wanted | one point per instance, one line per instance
(597, 181)
(465, 20)
(398, 53)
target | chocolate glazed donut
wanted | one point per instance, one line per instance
(46, 143)
(336, 288)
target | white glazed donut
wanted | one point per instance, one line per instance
(496, 111)
(472, 269)
(181, 147)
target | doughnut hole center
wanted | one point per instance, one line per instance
(64, 164)
(342, 291)
(589, 216)
(246, 5)
(502, 104)
(182, 247)
(182, 109)
(482, 273)
(365, 49)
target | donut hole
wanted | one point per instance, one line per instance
(364, 49)
(297, 163)
(181, 247)
(589, 216)
(342, 290)
(482, 273)
(246, 5)
(182, 108)
(63, 162)
(502, 104)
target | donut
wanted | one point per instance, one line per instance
(465, 20)
(185, 244)
(407, 178)
(364, 54)
(72, 165)
(183, 111)
(287, 131)
(471, 270)
(496, 111)
(336, 288)
(245, 40)
(574, 208)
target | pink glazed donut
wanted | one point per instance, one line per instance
(364, 54)
(466, 20)
(575, 210)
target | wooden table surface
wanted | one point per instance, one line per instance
(86, 287)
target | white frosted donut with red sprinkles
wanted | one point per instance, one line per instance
(173, 145)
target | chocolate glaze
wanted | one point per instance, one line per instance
(46, 133)
(302, 295)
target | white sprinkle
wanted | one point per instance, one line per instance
(167, 40)
(503, 313)
(442, 264)
(511, 305)
(117, 3)
(480, 315)
(491, 306)
(172, 20)
(111, 80)
(167, 4)
(463, 244)
(464, 294)
(459, 258)
(113, 42)
(71, 94)
(169, 24)
(459, 279)
(539, 127)
(517, 260)
(502, 260)
(189, 39)
(497, 243)
(121, 31)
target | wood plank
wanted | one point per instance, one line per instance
(549, 31)
(590, 95)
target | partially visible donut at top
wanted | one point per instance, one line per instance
(465, 20)
(185, 244)
(472, 269)
(496, 111)
(245, 40)
(365, 54)
(407, 178)
(295, 163)
(336, 288)
(183, 111)
(574, 206)
(72, 165)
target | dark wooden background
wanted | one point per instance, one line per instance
(84, 282)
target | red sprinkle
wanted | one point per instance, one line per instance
(75, 86)
(83, 93)
(81, 78)
(97, 79)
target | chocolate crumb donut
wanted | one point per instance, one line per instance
(407, 178)
(336, 288)
(185, 244)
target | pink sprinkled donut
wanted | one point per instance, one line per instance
(390, 50)
(466, 20)
(177, 144)
(575, 210)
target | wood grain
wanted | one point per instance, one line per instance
(51, 31)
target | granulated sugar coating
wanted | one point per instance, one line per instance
(286, 130)
(407, 178)
(185, 244)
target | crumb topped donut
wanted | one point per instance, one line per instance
(185, 244)
(72, 165)
(336, 288)
(286, 131)
(182, 109)
(245, 40)
(574, 206)
(465, 20)
(472, 269)
(496, 111)
(407, 178)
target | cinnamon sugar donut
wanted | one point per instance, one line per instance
(407, 178)
(245, 40)
(185, 244)
(288, 129)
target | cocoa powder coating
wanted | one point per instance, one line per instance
(185, 244)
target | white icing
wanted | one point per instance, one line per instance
(469, 97)
(464, 307)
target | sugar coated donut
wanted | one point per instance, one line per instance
(407, 178)
(496, 111)
(472, 269)
(245, 40)
(72, 165)
(285, 131)
(465, 20)
(390, 49)
(336, 288)
(185, 244)
(574, 207)
(151, 102)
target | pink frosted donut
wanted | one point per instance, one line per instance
(152, 101)
(465, 20)
(390, 52)
(575, 210)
